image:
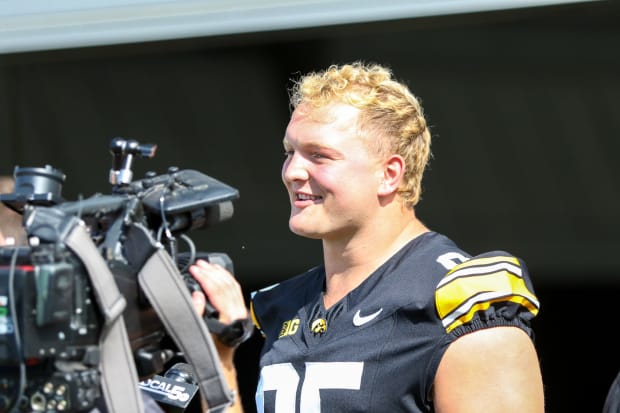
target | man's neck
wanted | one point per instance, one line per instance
(349, 262)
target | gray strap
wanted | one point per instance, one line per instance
(163, 285)
(118, 372)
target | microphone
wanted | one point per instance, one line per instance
(175, 389)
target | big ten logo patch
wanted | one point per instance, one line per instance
(289, 327)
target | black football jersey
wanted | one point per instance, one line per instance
(378, 349)
(612, 402)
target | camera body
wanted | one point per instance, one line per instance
(50, 324)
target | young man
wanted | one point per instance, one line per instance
(397, 318)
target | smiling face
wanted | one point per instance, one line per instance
(331, 176)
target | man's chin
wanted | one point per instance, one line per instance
(304, 232)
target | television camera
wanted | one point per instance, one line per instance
(66, 313)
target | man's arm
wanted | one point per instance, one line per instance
(224, 293)
(495, 370)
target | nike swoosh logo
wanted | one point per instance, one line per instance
(359, 320)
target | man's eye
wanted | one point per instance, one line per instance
(288, 153)
(316, 155)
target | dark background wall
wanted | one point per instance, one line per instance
(523, 106)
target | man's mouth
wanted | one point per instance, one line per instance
(306, 197)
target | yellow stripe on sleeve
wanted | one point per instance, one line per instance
(253, 315)
(476, 284)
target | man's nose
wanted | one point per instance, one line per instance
(295, 168)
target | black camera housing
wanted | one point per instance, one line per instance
(50, 325)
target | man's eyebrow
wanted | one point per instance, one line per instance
(313, 146)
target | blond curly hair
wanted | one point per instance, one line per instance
(391, 117)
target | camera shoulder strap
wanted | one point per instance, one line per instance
(119, 377)
(163, 285)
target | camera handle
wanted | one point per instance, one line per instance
(123, 153)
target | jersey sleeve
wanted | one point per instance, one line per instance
(488, 290)
(260, 297)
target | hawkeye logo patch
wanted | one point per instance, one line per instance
(289, 328)
(360, 320)
(319, 326)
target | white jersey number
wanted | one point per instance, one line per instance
(284, 380)
(451, 259)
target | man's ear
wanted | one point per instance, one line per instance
(393, 173)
